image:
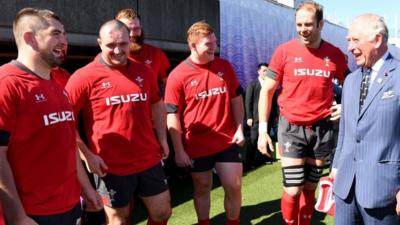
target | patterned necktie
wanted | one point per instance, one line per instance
(366, 73)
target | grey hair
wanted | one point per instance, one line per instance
(373, 25)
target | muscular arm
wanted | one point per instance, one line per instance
(13, 208)
(159, 114)
(91, 197)
(264, 110)
(175, 131)
(238, 115)
(95, 164)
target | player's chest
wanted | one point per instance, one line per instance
(119, 90)
(299, 67)
(207, 85)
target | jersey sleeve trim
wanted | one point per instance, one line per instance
(239, 90)
(171, 108)
(4, 138)
(271, 74)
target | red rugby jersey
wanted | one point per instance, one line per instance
(305, 75)
(116, 111)
(202, 95)
(154, 58)
(60, 76)
(41, 149)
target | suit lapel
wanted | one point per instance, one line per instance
(383, 76)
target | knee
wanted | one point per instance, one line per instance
(233, 188)
(162, 214)
(293, 191)
(202, 188)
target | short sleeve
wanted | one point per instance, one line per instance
(276, 65)
(78, 90)
(8, 104)
(235, 89)
(173, 95)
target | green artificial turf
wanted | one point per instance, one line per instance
(261, 193)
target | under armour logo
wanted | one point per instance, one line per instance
(105, 85)
(220, 74)
(40, 98)
(148, 62)
(298, 59)
(194, 83)
(287, 146)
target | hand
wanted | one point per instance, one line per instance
(335, 112)
(398, 203)
(92, 201)
(96, 165)
(164, 149)
(263, 141)
(238, 137)
(182, 159)
(249, 122)
(333, 173)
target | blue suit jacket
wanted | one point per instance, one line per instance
(368, 148)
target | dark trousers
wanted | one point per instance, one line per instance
(350, 212)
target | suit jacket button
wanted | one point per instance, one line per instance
(358, 140)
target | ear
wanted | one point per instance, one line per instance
(321, 24)
(378, 40)
(99, 42)
(29, 39)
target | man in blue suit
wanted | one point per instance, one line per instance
(367, 159)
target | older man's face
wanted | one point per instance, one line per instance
(363, 46)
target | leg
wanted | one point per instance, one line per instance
(346, 211)
(313, 172)
(117, 193)
(158, 207)
(202, 183)
(230, 175)
(117, 216)
(293, 177)
(153, 190)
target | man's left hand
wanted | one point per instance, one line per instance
(335, 112)
(238, 138)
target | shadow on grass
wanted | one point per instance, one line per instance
(269, 209)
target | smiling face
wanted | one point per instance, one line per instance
(114, 44)
(363, 44)
(52, 43)
(204, 49)
(307, 27)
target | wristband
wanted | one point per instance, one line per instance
(262, 127)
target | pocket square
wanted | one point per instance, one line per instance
(388, 94)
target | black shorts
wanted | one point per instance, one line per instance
(71, 217)
(118, 191)
(231, 154)
(315, 141)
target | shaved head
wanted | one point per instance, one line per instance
(110, 26)
(28, 20)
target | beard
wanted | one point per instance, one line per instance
(51, 59)
(136, 43)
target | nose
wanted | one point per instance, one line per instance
(351, 46)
